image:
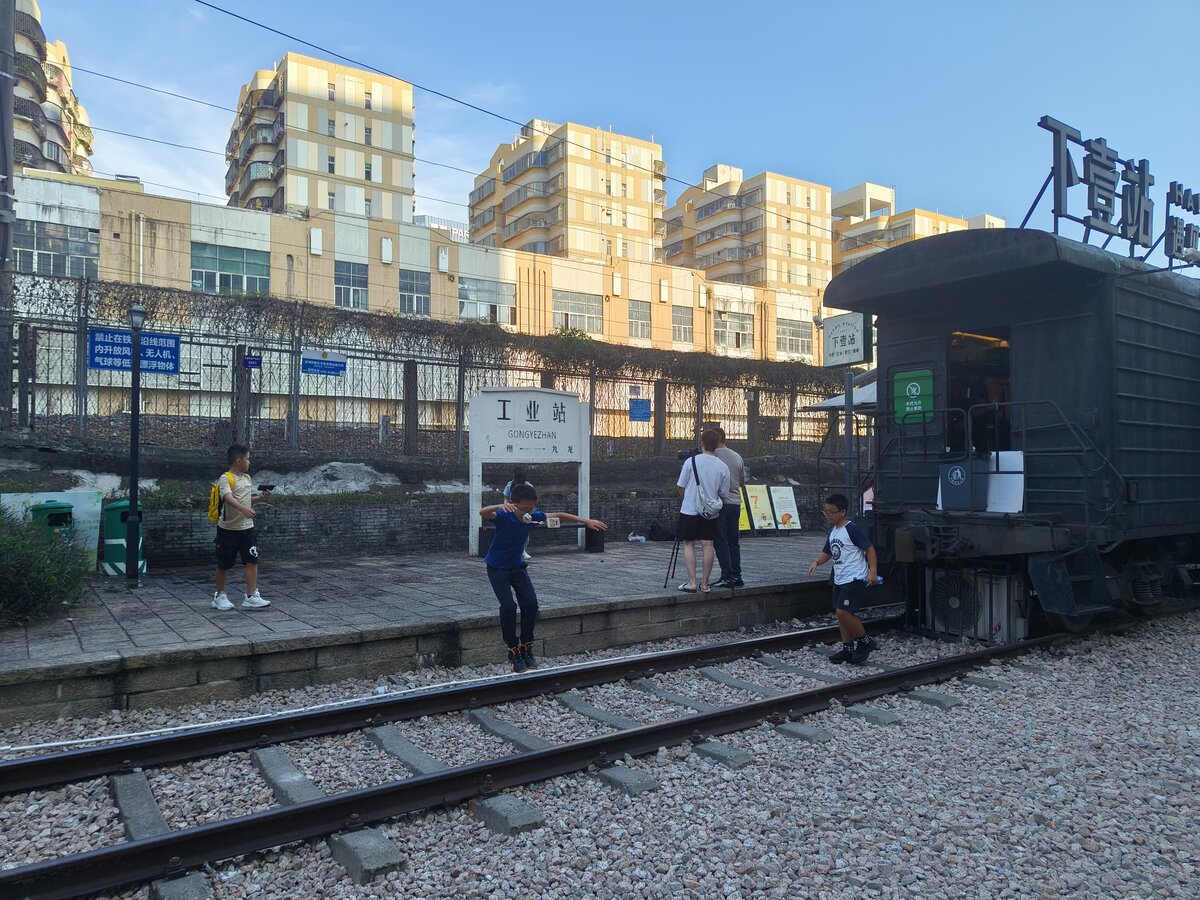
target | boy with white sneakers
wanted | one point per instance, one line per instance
(235, 529)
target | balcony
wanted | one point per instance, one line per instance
(660, 227)
(27, 109)
(81, 165)
(660, 197)
(270, 99)
(231, 176)
(660, 169)
(278, 128)
(257, 171)
(659, 255)
(535, 189)
(31, 70)
(27, 154)
(231, 144)
(83, 134)
(24, 23)
(262, 204)
(255, 135)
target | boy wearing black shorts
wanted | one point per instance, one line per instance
(854, 570)
(515, 519)
(236, 535)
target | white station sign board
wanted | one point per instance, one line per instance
(847, 340)
(515, 426)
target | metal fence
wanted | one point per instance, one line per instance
(401, 393)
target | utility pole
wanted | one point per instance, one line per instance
(8, 55)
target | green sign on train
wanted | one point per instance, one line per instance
(912, 396)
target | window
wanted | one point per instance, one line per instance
(332, 199)
(367, 136)
(331, 127)
(332, 89)
(584, 312)
(367, 99)
(330, 163)
(230, 270)
(367, 171)
(350, 284)
(624, 189)
(794, 336)
(681, 324)
(487, 301)
(787, 224)
(639, 319)
(733, 330)
(621, 248)
(44, 248)
(367, 206)
(414, 293)
(789, 198)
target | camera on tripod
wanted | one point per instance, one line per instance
(684, 455)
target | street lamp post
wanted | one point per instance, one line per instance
(133, 523)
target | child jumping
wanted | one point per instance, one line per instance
(515, 519)
(854, 570)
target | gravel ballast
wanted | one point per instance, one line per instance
(1079, 780)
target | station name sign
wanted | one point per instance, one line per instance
(1119, 202)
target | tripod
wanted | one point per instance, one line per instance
(672, 564)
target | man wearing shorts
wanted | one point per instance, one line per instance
(236, 534)
(693, 527)
(854, 570)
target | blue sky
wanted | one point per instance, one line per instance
(938, 99)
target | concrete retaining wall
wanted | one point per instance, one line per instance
(238, 668)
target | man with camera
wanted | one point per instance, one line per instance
(703, 479)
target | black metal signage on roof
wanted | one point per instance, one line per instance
(1119, 202)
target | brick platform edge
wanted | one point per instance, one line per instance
(222, 670)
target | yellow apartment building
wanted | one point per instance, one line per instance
(866, 223)
(50, 125)
(313, 135)
(769, 232)
(573, 192)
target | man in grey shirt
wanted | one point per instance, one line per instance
(729, 552)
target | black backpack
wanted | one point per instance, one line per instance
(659, 533)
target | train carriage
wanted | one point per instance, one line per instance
(1038, 427)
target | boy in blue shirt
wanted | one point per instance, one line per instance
(854, 570)
(515, 519)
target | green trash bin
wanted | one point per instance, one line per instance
(116, 515)
(56, 515)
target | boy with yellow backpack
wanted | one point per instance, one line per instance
(230, 506)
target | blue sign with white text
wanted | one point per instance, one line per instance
(251, 362)
(322, 362)
(639, 410)
(112, 349)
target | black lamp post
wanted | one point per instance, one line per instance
(133, 523)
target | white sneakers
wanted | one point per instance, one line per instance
(252, 601)
(526, 555)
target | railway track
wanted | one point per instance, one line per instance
(154, 852)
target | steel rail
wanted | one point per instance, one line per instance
(177, 852)
(53, 769)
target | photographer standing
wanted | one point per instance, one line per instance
(729, 550)
(701, 473)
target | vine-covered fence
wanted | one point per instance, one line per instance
(406, 387)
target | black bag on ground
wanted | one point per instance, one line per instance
(659, 533)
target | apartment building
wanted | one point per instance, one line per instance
(313, 135)
(769, 230)
(866, 222)
(50, 125)
(116, 231)
(572, 191)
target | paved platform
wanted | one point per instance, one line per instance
(162, 643)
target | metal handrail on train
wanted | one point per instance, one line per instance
(933, 425)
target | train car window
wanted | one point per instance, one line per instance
(978, 372)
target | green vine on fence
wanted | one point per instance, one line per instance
(265, 317)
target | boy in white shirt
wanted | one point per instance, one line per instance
(854, 570)
(706, 468)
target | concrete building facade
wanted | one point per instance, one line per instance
(50, 125)
(573, 192)
(313, 135)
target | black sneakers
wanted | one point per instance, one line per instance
(527, 655)
(516, 659)
(862, 649)
(844, 655)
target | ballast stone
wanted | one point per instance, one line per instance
(365, 854)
